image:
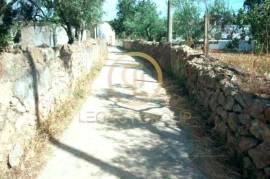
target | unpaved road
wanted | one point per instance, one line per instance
(124, 130)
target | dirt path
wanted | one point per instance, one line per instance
(123, 131)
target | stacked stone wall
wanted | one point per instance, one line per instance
(33, 83)
(241, 118)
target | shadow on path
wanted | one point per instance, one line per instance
(116, 171)
(164, 150)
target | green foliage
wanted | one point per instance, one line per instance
(17, 36)
(187, 22)
(125, 11)
(5, 39)
(256, 14)
(250, 4)
(233, 45)
(258, 48)
(7, 16)
(220, 16)
(139, 19)
(72, 14)
(146, 22)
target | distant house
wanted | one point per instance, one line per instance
(230, 32)
(233, 31)
(106, 32)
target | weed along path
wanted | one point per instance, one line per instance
(129, 128)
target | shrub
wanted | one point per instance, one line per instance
(233, 45)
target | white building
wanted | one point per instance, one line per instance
(106, 32)
(233, 32)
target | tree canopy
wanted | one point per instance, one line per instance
(73, 15)
(256, 14)
(7, 16)
(220, 16)
(139, 19)
(187, 21)
(250, 4)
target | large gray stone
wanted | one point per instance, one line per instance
(231, 143)
(17, 105)
(221, 99)
(237, 108)
(37, 55)
(255, 109)
(229, 103)
(23, 87)
(247, 163)
(261, 155)
(213, 101)
(239, 98)
(222, 113)
(267, 114)
(232, 121)
(15, 156)
(246, 143)
(13, 66)
(260, 130)
(267, 171)
(221, 127)
(244, 119)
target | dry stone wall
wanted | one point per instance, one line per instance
(241, 118)
(32, 83)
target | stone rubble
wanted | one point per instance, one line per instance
(241, 117)
(15, 156)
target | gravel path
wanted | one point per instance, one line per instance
(124, 130)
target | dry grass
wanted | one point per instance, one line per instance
(251, 63)
(57, 122)
(256, 66)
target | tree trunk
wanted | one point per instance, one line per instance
(148, 34)
(170, 23)
(206, 29)
(67, 27)
(95, 33)
(267, 42)
(54, 37)
(77, 34)
(82, 34)
(70, 34)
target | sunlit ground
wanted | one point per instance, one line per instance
(254, 64)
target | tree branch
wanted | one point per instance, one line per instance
(37, 6)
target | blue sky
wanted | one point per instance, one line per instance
(110, 7)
